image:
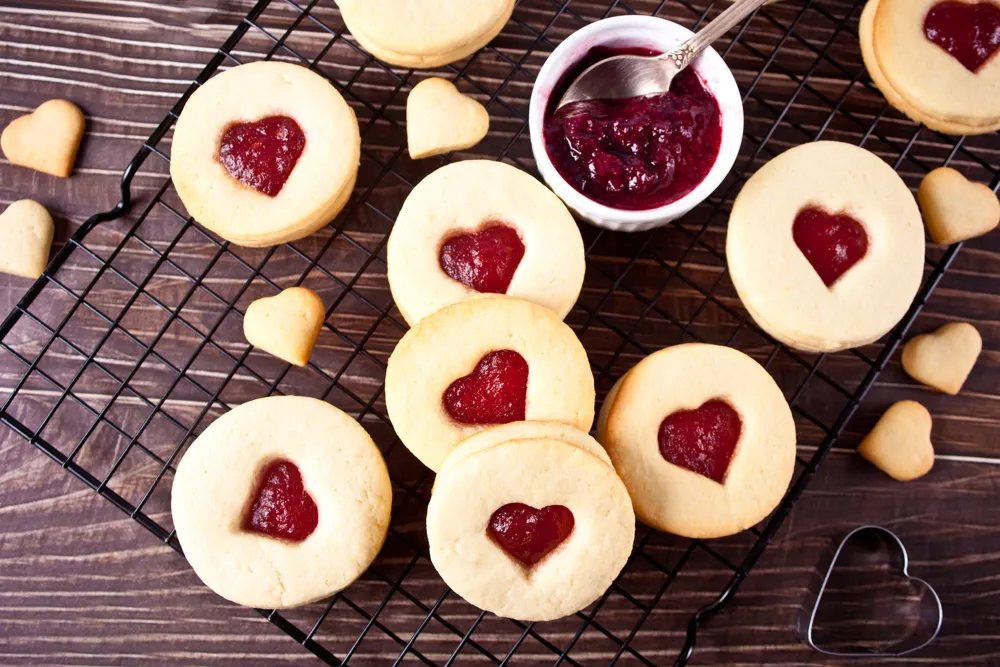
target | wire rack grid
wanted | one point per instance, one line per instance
(131, 343)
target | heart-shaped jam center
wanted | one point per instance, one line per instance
(527, 534)
(485, 260)
(281, 506)
(969, 32)
(832, 243)
(702, 440)
(495, 392)
(261, 154)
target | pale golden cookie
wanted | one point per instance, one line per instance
(467, 203)
(955, 208)
(47, 139)
(779, 285)
(674, 477)
(943, 359)
(440, 119)
(496, 435)
(26, 231)
(900, 443)
(424, 33)
(924, 74)
(469, 515)
(476, 353)
(218, 487)
(865, 28)
(286, 324)
(317, 183)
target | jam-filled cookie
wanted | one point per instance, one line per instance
(936, 60)
(703, 439)
(532, 529)
(480, 227)
(265, 153)
(424, 33)
(480, 363)
(281, 501)
(865, 30)
(826, 247)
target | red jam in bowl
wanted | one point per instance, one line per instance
(639, 153)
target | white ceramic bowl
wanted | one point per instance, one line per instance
(652, 33)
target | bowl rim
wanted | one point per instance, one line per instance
(567, 53)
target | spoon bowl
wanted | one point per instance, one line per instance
(627, 76)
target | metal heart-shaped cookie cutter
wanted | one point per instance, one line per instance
(931, 612)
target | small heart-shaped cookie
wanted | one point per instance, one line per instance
(955, 208)
(47, 139)
(286, 324)
(439, 119)
(945, 358)
(26, 231)
(900, 443)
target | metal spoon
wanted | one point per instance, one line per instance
(620, 77)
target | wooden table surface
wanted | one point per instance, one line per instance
(82, 584)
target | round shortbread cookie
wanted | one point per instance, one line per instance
(496, 435)
(865, 28)
(424, 33)
(780, 287)
(320, 180)
(466, 202)
(925, 75)
(673, 496)
(546, 475)
(218, 478)
(451, 352)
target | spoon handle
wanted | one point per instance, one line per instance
(731, 16)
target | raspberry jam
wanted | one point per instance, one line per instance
(527, 534)
(969, 32)
(495, 392)
(281, 506)
(637, 153)
(261, 154)
(702, 440)
(832, 243)
(485, 260)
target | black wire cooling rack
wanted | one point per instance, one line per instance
(131, 344)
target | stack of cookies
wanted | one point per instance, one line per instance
(424, 33)
(936, 61)
(529, 520)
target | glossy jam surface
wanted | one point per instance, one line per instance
(832, 242)
(495, 392)
(969, 32)
(485, 260)
(702, 440)
(261, 154)
(530, 534)
(639, 153)
(282, 508)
